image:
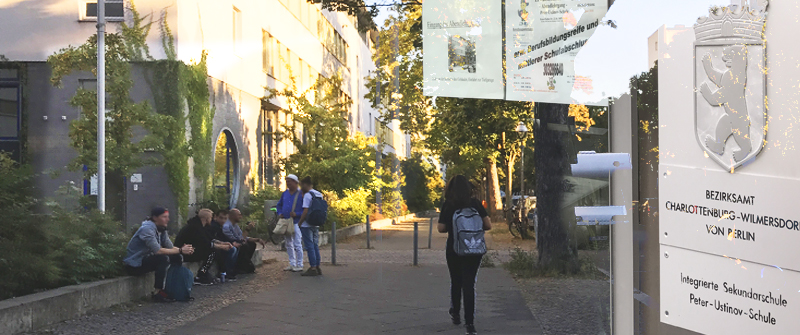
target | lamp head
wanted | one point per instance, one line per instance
(522, 128)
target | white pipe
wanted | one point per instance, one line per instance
(101, 105)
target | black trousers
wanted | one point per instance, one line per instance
(157, 263)
(243, 262)
(463, 276)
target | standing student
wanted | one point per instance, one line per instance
(290, 208)
(150, 250)
(310, 233)
(463, 269)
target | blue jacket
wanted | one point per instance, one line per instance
(285, 205)
(147, 241)
(233, 232)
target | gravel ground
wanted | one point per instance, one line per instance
(562, 306)
(568, 305)
(145, 317)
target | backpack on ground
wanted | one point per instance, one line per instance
(468, 233)
(318, 211)
(179, 283)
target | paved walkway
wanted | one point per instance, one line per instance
(374, 291)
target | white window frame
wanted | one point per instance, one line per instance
(84, 18)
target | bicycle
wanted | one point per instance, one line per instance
(274, 238)
(517, 222)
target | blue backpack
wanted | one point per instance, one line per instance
(318, 211)
(179, 283)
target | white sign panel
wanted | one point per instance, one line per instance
(713, 294)
(463, 43)
(543, 39)
(741, 216)
(728, 215)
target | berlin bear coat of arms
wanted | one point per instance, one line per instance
(730, 83)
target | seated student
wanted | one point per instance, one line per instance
(226, 262)
(151, 250)
(205, 246)
(246, 245)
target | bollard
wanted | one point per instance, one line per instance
(333, 243)
(416, 244)
(430, 234)
(368, 229)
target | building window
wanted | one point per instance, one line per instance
(115, 10)
(9, 112)
(267, 45)
(267, 161)
(237, 30)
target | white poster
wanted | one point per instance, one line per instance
(543, 39)
(463, 43)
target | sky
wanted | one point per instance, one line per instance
(613, 56)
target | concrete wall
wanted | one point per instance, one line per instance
(50, 152)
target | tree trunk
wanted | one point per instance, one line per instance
(551, 166)
(510, 183)
(495, 206)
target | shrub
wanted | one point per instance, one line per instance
(423, 184)
(349, 210)
(254, 210)
(526, 264)
(25, 260)
(90, 245)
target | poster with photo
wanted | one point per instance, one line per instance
(543, 39)
(463, 49)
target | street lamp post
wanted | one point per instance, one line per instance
(522, 129)
(101, 105)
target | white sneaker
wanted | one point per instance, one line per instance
(289, 268)
(297, 269)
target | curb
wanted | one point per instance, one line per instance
(34, 311)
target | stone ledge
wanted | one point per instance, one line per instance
(34, 311)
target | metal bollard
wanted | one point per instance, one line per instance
(416, 242)
(368, 229)
(333, 243)
(430, 234)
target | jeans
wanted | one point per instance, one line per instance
(311, 242)
(227, 260)
(294, 247)
(463, 277)
(158, 264)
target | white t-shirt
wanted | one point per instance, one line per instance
(307, 203)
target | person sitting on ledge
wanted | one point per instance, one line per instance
(205, 246)
(151, 250)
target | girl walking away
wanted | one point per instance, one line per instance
(464, 220)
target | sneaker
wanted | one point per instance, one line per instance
(161, 296)
(455, 317)
(311, 272)
(471, 330)
(297, 269)
(289, 268)
(202, 282)
(319, 271)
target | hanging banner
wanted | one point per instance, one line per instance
(543, 39)
(463, 43)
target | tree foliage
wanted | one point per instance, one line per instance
(324, 150)
(469, 135)
(122, 114)
(424, 184)
(364, 14)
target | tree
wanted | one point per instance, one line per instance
(424, 184)
(325, 151)
(357, 8)
(551, 166)
(467, 134)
